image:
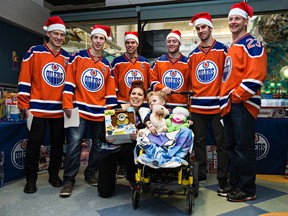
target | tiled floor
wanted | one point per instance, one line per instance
(271, 197)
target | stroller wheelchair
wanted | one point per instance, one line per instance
(165, 164)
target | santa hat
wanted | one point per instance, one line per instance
(54, 23)
(131, 35)
(176, 34)
(100, 29)
(201, 18)
(241, 9)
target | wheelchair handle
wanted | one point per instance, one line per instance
(183, 92)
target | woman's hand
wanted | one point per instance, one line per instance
(110, 140)
(133, 136)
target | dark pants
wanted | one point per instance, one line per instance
(72, 157)
(199, 127)
(108, 169)
(240, 140)
(36, 139)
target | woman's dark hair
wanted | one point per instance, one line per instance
(138, 84)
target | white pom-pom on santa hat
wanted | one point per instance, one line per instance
(54, 23)
(101, 29)
(131, 35)
(176, 34)
(201, 18)
(242, 9)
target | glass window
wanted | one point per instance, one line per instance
(271, 29)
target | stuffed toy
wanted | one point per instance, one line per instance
(122, 120)
(178, 119)
(157, 118)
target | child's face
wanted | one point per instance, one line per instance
(155, 100)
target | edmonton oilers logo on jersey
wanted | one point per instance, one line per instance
(132, 75)
(261, 146)
(227, 68)
(53, 74)
(206, 71)
(18, 154)
(173, 79)
(92, 80)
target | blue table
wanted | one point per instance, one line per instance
(13, 141)
(271, 145)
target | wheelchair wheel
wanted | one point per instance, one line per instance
(190, 201)
(195, 178)
(136, 198)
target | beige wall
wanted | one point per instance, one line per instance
(24, 13)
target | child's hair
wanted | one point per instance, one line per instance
(162, 95)
(138, 84)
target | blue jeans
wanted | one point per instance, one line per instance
(72, 158)
(239, 126)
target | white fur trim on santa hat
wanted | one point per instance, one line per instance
(55, 27)
(238, 11)
(131, 36)
(203, 21)
(99, 31)
(174, 35)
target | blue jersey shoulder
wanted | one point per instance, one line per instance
(65, 53)
(82, 53)
(105, 62)
(143, 59)
(196, 50)
(160, 58)
(183, 59)
(37, 48)
(220, 46)
(253, 46)
(117, 60)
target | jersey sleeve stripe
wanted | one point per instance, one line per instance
(250, 87)
(69, 88)
(24, 89)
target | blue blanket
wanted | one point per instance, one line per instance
(165, 149)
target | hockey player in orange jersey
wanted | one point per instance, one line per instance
(244, 74)
(206, 65)
(41, 83)
(89, 87)
(129, 67)
(169, 72)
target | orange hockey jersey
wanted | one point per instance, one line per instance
(41, 81)
(205, 75)
(89, 86)
(125, 71)
(174, 75)
(244, 74)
